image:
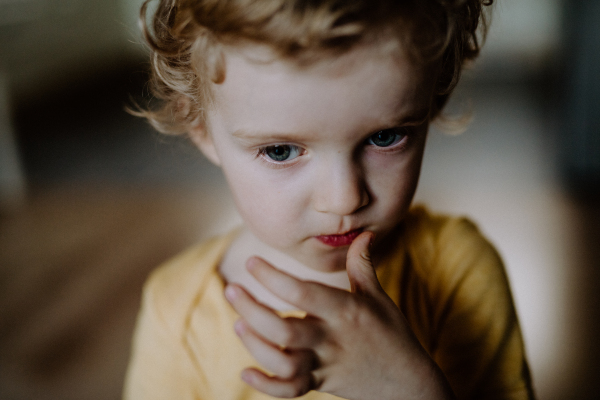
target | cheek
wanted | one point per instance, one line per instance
(271, 207)
(393, 184)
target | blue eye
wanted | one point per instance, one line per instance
(280, 153)
(386, 137)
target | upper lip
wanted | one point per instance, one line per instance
(343, 233)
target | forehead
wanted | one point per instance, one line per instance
(370, 85)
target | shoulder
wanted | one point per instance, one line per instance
(442, 260)
(438, 231)
(174, 288)
(459, 304)
(457, 273)
(161, 363)
(446, 246)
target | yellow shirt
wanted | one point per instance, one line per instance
(446, 278)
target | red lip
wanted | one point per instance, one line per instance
(340, 240)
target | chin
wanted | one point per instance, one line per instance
(330, 261)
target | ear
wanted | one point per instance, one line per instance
(203, 140)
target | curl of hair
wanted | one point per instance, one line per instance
(186, 35)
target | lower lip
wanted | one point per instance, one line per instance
(339, 240)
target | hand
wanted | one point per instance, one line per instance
(356, 345)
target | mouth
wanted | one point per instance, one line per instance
(340, 240)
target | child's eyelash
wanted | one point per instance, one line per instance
(280, 155)
(283, 155)
(389, 140)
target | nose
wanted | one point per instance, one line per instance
(341, 189)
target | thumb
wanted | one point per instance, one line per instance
(359, 266)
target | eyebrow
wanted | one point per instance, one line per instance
(417, 118)
(272, 136)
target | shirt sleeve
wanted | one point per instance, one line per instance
(460, 306)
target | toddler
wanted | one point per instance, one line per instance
(317, 112)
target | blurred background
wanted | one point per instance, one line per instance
(91, 199)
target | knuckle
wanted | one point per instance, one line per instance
(287, 370)
(301, 294)
(354, 314)
(349, 314)
(298, 364)
(299, 387)
(287, 336)
(304, 385)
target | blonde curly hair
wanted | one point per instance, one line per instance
(186, 35)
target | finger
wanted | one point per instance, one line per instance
(277, 387)
(285, 332)
(314, 298)
(359, 266)
(286, 364)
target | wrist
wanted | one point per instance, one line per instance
(429, 382)
(422, 379)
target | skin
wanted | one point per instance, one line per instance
(354, 129)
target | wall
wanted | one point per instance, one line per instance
(44, 43)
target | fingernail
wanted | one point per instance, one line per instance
(246, 377)
(250, 264)
(231, 293)
(238, 327)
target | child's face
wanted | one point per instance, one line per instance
(330, 149)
